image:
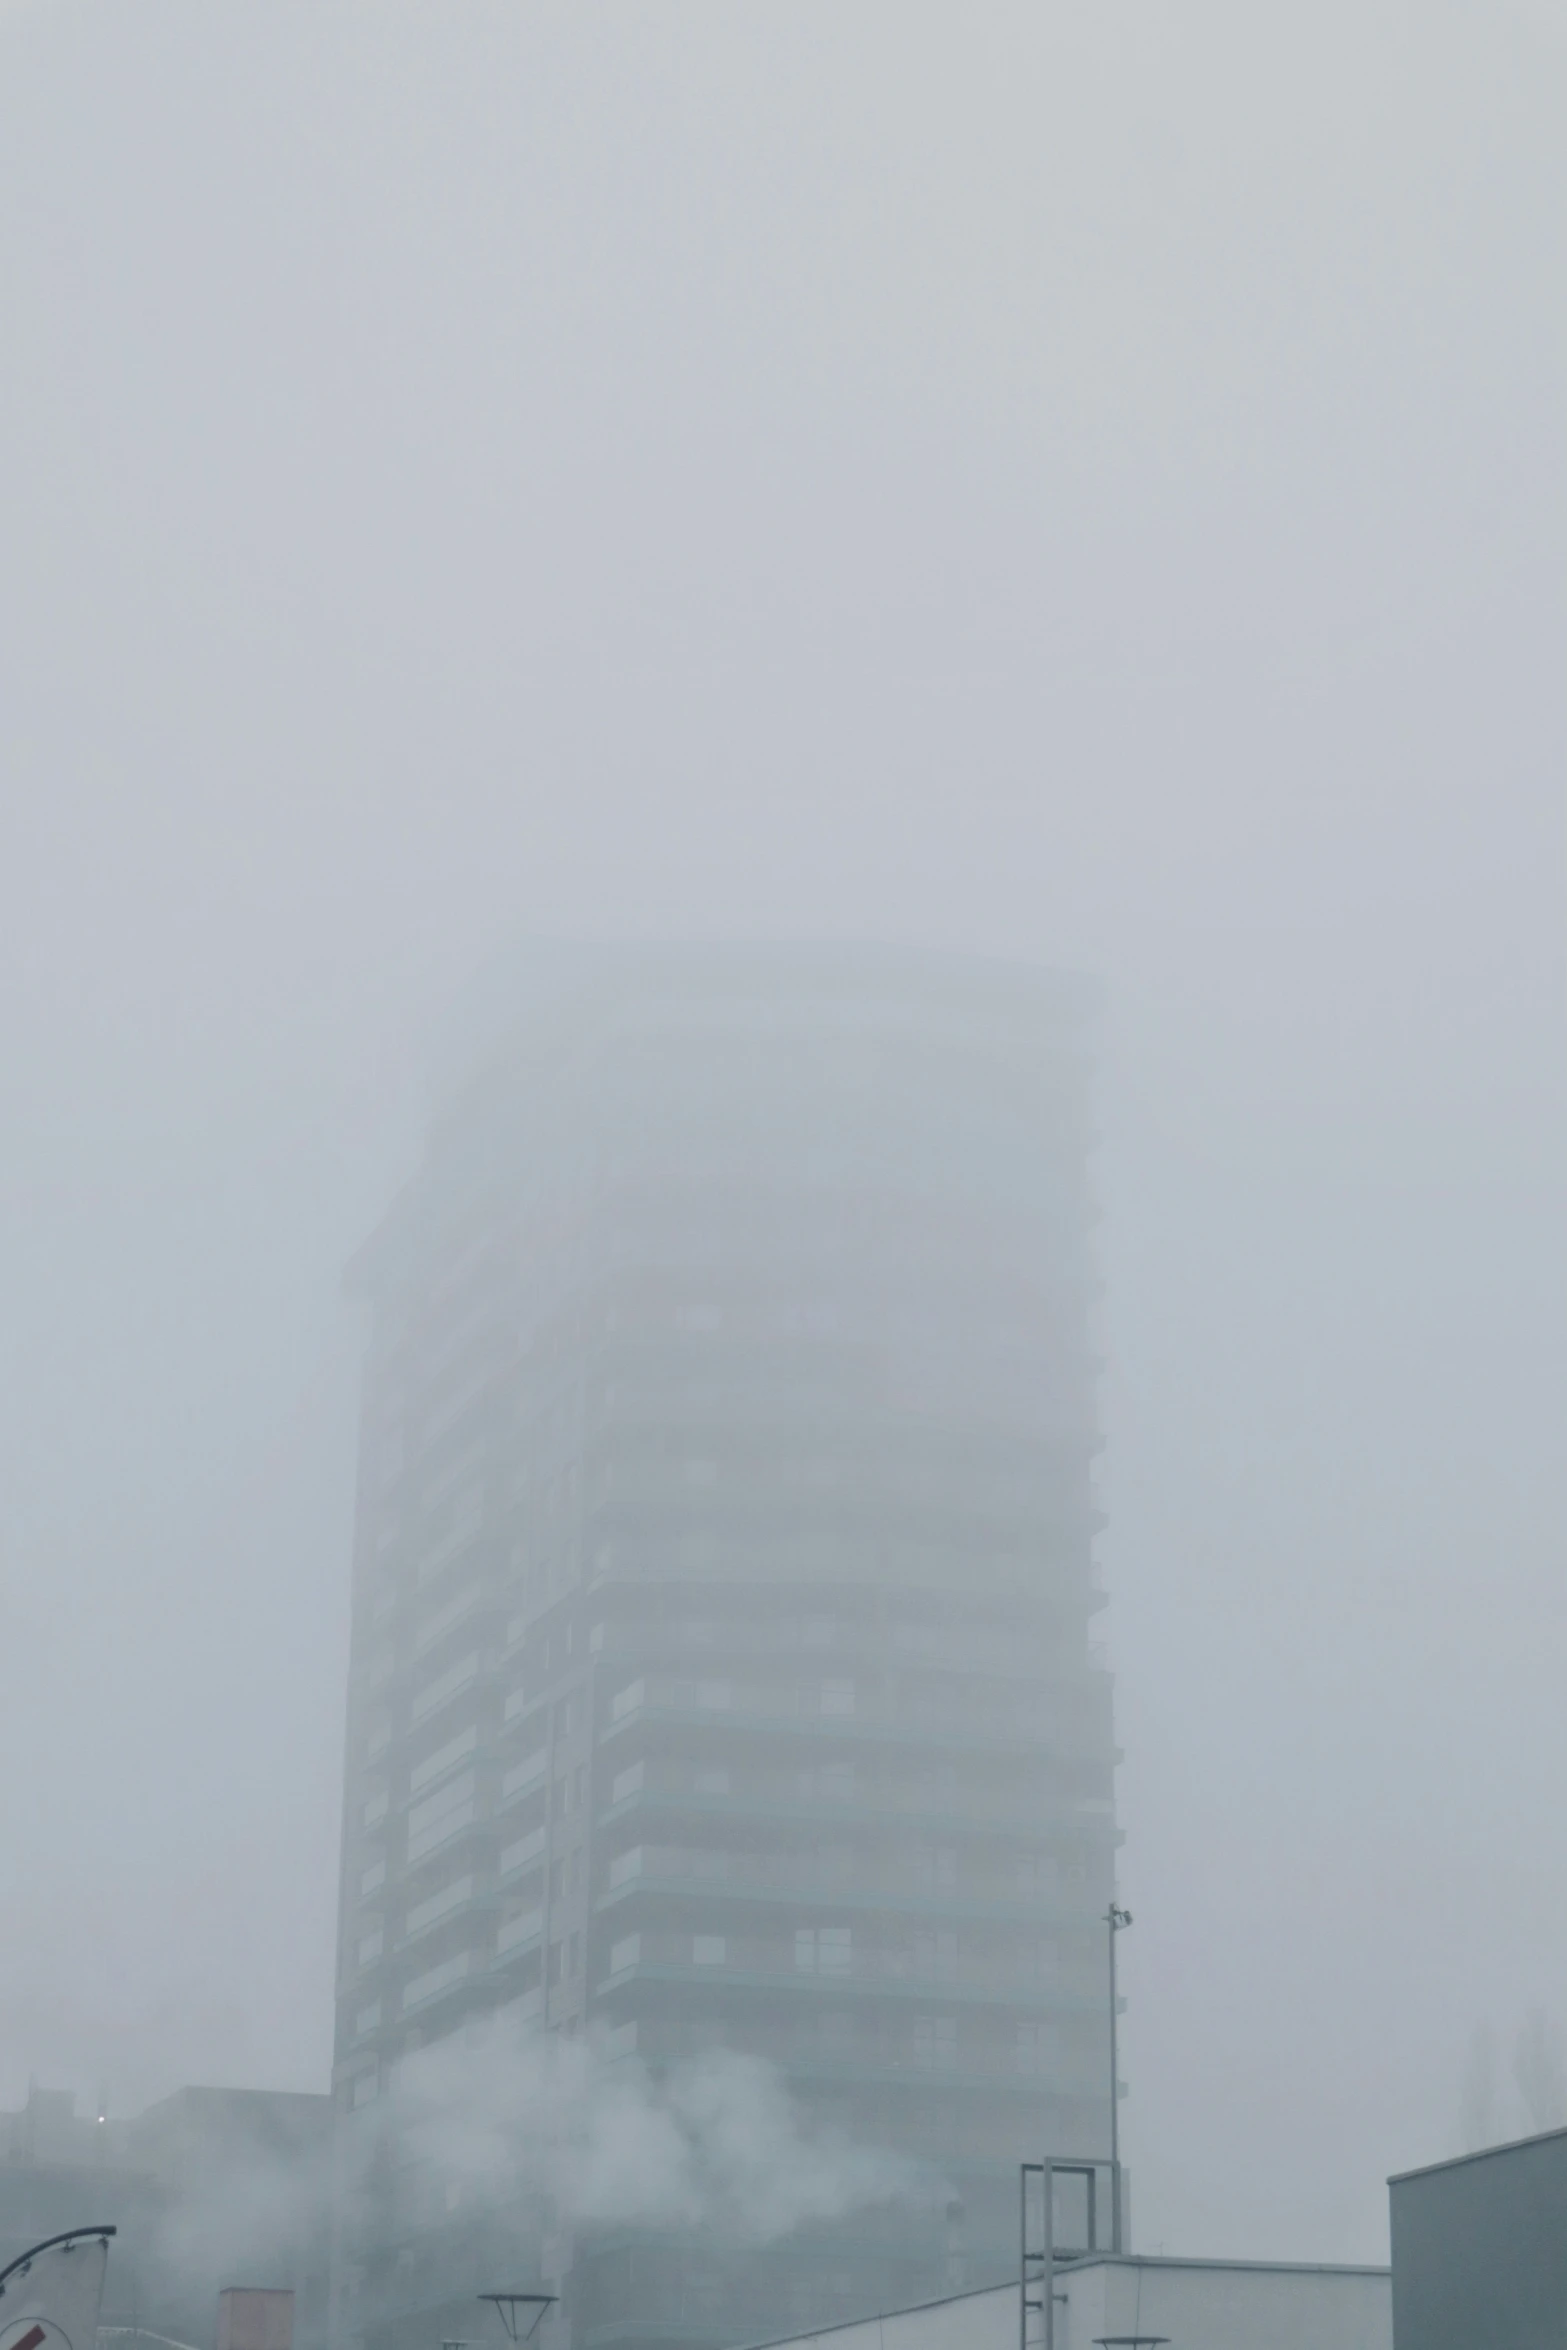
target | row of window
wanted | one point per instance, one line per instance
(430, 1696)
(515, 1933)
(932, 1872)
(920, 1788)
(831, 1698)
(1007, 1703)
(1035, 2046)
(894, 1785)
(936, 1955)
(945, 1641)
(893, 1557)
(928, 1871)
(537, 1568)
(828, 1699)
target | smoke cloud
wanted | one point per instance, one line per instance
(248, 2220)
(717, 2142)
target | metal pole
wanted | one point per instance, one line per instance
(1115, 1919)
(1115, 2079)
(1022, 2261)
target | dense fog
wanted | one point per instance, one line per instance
(1080, 484)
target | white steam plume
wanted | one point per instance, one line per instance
(717, 2142)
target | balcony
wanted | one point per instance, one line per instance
(518, 1934)
(525, 1850)
(661, 1875)
(1052, 1818)
(930, 1736)
(862, 1981)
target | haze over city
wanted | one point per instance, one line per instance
(1078, 486)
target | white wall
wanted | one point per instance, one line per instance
(972, 2321)
(1214, 2305)
(1198, 2304)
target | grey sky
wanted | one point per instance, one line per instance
(1082, 480)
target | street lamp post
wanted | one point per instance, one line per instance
(1116, 1919)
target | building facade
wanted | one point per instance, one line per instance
(1480, 2249)
(723, 1586)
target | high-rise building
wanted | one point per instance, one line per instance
(723, 1584)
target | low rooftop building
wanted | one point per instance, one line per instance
(208, 2188)
(1127, 2298)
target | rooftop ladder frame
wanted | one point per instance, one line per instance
(1040, 2255)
